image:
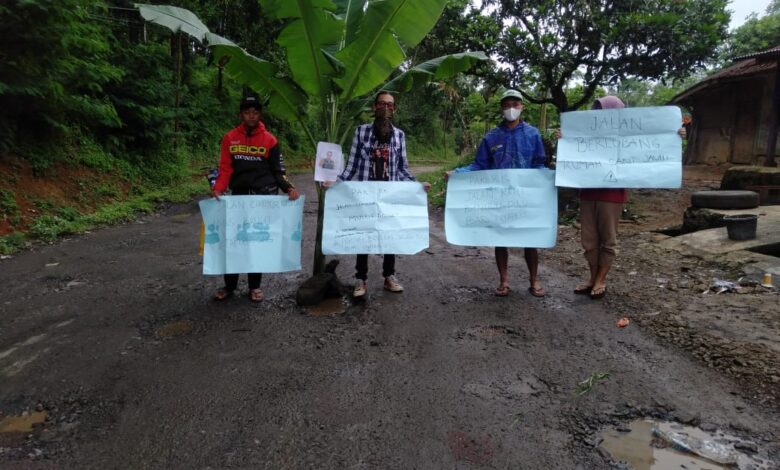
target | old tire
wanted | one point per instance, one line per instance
(725, 199)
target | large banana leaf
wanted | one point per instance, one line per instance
(314, 27)
(174, 18)
(375, 52)
(284, 98)
(440, 68)
(351, 11)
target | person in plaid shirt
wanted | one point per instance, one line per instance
(378, 153)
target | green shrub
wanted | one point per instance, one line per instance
(69, 213)
(8, 205)
(49, 227)
(11, 243)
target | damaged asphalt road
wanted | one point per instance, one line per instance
(113, 352)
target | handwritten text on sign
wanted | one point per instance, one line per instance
(252, 234)
(511, 208)
(375, 217)
(620, 148)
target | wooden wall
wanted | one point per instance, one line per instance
(730, 122)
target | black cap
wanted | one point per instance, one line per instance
(251, 102)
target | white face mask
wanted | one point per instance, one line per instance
(511, 114)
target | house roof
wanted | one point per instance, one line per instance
(757, 63)
(767, 54)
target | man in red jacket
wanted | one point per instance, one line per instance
(250, 163)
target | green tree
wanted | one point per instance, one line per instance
(755, 35)
(550, 43)
(54, 74)
(337, 54)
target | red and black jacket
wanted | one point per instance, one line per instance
(250, 161)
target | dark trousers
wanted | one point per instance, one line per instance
(254, 279)
(361, 266)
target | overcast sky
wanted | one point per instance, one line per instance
(742, 8)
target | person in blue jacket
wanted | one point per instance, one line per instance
(513, 144)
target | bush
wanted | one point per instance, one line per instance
(50, 227)
(8, 206)
(11, 243)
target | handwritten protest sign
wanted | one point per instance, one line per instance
(252, 234)
(620, 148)
(511, 208)
(329, 162)
(375, 217)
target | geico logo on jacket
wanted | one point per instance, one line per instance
(249, 150)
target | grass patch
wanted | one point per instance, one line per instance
(65, 220)
(43, 205)
(12, 243)
(8, 206)
(587, 385)
(50, 227)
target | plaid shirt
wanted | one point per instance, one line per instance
(359, 162)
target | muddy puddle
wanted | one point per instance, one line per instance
(24, 423)
(173, 330)
(647, 444)
(328, 307)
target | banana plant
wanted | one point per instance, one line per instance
(339, 52)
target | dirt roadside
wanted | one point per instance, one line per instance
(113, 335)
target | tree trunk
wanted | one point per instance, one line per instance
(319, 258)
(176, 124)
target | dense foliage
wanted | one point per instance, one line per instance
(550, 44)
(758, 33)
(77, 73)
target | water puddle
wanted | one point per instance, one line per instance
(659, 445)
(23, 423)
(172, 330)
(328, 307)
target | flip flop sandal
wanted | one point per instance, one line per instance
(222, 294)
(503, 291)
(536, 291)
(256, 295)
(584, 290)
(598, 295)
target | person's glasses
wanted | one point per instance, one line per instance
(385, 104)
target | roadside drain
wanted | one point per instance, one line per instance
(24, 423)
(646, 444)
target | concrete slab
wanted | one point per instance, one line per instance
(715, 244)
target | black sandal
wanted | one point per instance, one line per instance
(222, 294)
(584, 290)
(598, 295)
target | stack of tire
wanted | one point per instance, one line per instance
(700, 217)
(735, 199)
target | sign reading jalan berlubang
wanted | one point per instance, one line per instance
(620, 148)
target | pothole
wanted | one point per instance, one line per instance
(328, 307)
(24, 423)
(647, 444)
(172, 330)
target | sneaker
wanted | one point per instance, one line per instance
(391, 284)
(360, 288)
